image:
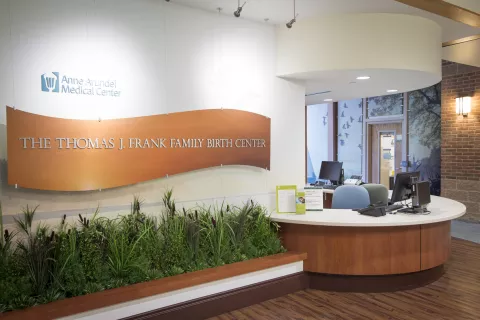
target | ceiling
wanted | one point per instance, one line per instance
(343, 85)
(472, 5)
(465, 53)
(281, 11)
(338, 83)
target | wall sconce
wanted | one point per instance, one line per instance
(464, 105)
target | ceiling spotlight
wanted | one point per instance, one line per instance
(239, 9)
(363, 78)
(290, 24)
(327, 100)
(392, 90)
(295, 15)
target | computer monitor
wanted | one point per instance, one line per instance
(331, 170)
(421, 194)
(402, 190)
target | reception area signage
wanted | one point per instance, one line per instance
(57, 154)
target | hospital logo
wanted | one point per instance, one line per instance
(50, 82)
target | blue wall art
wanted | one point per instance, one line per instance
(424, 126)
(350, 136)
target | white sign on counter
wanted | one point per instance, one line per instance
(286, 197)
(313, 198)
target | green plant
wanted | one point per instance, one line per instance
(219, 235)
(263, 233)
(193, 231)
(36, 251)
(175, 255)
(22, 302)
(50, 296)
(135, 220)
(152, 244)
(92, 244)
(69, 273)
(168, 202)
(5, 250)
(122, 257)
(38, 265)
(25, 223)
(92, 287)
(1, 224)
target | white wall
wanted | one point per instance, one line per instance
(165, 58)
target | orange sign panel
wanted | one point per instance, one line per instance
(77, 155)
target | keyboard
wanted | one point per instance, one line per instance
(393, 207)
(330, 187)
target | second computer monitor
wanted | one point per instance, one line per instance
(422, 194)
(403, 186)
(331, 170)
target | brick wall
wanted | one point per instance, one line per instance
(461, 138)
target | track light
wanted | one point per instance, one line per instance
(295, 15)
(290, 24)
(239, 9)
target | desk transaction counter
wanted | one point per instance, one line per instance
(371, 254)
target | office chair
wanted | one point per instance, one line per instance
(378, 193)
(350, 197)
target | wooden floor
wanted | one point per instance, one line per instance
(456, 296)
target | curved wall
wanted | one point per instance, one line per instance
(163, 58)
(402, 50)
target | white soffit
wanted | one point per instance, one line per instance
(465, 53)
(397, 51)
(472, 5)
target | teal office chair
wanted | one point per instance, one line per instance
(378, 193)
(350, 197)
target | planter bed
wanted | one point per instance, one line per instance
(107, 298)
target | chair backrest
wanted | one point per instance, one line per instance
(350, 197)
(378, 193)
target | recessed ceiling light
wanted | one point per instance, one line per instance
(363, 78)
(392, 90)
(328, 100)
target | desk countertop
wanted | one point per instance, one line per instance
(442, 209)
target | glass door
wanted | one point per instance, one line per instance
(387, 157)
(384, 142)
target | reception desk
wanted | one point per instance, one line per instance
(345, 243)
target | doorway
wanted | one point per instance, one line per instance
(387, 156)
(385, 152)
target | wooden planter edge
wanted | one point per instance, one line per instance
(107, 298)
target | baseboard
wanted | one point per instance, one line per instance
(217, 304)
(370, 284)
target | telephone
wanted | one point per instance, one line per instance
(375, 210)
(353, 181)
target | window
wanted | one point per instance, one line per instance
(390, 105)
(317, 139)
